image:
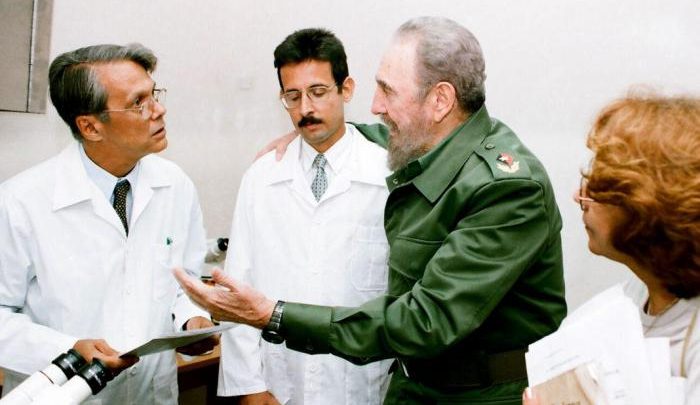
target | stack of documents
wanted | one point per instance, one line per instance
(600, 356)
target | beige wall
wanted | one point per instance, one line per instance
(551, 64)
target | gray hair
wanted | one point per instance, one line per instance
(73, 84)
(447, 52)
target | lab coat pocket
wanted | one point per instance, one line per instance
(165, 388)
(167, 257)
(368, 261)
(276, 372)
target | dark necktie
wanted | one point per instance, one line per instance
(320, 183)
(119, 204)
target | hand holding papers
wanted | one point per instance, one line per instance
(600, 356)
(175, 340)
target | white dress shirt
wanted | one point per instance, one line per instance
(106, 182)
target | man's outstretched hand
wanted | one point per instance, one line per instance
(228, 300)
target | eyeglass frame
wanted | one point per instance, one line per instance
(583, 195)
(156, 96)
(308, 93)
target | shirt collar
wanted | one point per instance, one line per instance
(433, 172)
(358, 160)
(103, 179)
(336, 155)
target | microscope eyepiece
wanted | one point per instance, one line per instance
(222, 244)
(69, 363)
(97, 375)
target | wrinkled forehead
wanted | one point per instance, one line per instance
(398, 64)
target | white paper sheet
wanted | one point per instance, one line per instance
(607, 332)
(175, 340)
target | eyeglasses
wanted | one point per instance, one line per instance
(583, 194)
(145, 106)
(317, 94)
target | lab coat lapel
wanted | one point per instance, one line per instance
(142, 195)
(300, 185)
(361, 165)
(339, 185)
(74, 186)
(149, 179)
(290, 172)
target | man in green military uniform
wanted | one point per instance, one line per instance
(474, 233)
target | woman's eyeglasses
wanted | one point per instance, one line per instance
(582, 198)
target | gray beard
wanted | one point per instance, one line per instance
(401, 154)
(406, 146)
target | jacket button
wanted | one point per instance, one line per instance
(395, 181)
(489, 146)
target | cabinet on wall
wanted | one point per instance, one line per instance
(24, 54)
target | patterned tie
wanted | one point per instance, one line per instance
(320, 183)
(119, 204)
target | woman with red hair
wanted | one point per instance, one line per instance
(641, 207)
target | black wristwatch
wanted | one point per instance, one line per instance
(272, 331)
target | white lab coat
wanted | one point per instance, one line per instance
(68, 271)
(333, 252)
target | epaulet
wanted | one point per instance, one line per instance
(504, 162)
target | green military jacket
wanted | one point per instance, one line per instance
(475, 261)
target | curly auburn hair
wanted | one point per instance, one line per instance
(647, 162)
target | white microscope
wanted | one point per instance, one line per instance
(215, 257)
(68, 380)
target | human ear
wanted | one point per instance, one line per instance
(348, 89)
(443, 97)
(89, 127)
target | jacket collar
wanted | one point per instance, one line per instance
(364, 165)
(151, 177)
(74, 186)
(72, 182)
(433, 172)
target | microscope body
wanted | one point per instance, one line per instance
(68, 380)
(36, 383)
(73, 392)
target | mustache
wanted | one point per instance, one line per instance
(309, 120)
(389, 122)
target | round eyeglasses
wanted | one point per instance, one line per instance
(145, 106)
(316, 94)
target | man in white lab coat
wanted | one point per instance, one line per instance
(86, 258)
(309, 228)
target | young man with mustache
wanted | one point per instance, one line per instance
(309, 228)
